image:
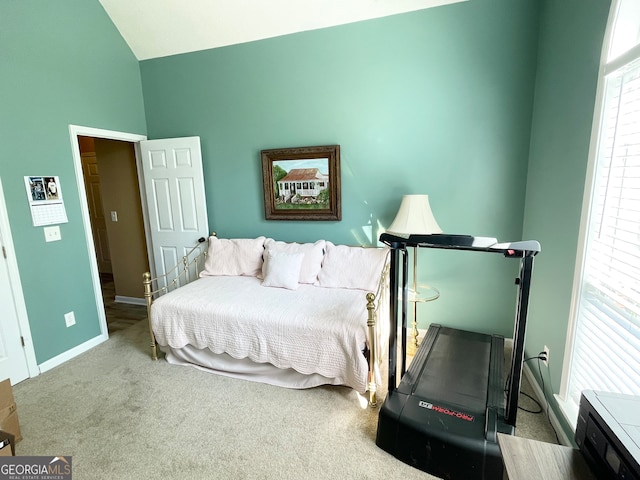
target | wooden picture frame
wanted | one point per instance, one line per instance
(302, 183)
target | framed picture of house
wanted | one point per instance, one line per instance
(302, 183)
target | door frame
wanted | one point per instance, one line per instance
(75, 131)
(16, 289)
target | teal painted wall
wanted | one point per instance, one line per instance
(437, 101)
(569, 54)
(63, 63)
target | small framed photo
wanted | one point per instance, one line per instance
(302, 183)
(43, 189)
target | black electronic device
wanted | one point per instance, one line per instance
(608, 434)
(444, 416)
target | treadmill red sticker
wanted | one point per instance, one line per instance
(446, 411)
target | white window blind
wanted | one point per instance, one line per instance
(606, 347)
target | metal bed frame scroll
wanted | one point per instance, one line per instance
(373, 314)
(192, 264)
(182, 273)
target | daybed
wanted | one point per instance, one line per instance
(288, 314)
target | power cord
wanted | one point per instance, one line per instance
(541, 356)
(540, 410)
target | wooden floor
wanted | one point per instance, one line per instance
(119, 315)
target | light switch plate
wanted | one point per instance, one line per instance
(69, 319)
(114, 216)
(52, 234)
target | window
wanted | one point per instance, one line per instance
(604, 350)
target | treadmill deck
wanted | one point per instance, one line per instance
(445, 415)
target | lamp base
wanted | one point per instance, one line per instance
(412, 346)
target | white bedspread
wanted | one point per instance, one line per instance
(312, 329)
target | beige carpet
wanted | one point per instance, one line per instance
(121, 415)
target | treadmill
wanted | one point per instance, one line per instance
(445, 414)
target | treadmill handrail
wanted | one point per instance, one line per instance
(462, 242)
(523, 250)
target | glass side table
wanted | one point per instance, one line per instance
(422, 294)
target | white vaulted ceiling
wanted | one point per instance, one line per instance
(158, 28)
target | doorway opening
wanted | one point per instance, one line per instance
(115, 232)
(115, 212)
(170, 176)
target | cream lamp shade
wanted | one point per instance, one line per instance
(414, 217)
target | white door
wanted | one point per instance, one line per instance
(13, 358)
(174, 189)
(96, 212)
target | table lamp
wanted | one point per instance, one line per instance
(415, 217)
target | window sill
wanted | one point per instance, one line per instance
(569, 411)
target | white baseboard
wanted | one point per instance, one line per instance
(69, 354)
(537, 391)
(130, 300)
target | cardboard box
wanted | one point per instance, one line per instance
(7, 444)
(8, 411)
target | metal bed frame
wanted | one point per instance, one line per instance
(182, 273)
(192, 263)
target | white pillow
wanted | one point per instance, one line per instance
(282, 269)
(352, 267)
(312, 261)
(240, 256)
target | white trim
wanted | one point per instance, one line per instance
(586, 206)
(569, 411)
(145, 209)
(74, 352)
(74, 132)
(130, 300)
(16, 289)
(624, 59)
(553, 419)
